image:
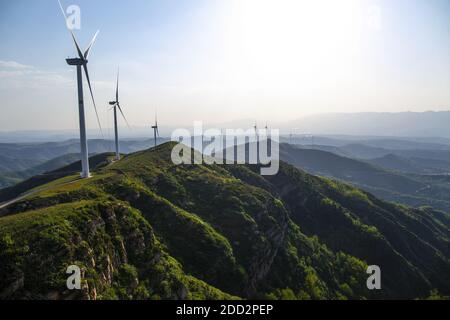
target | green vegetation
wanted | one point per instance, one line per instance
(387, 184)
(143, 228)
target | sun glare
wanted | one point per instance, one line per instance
(294, 38)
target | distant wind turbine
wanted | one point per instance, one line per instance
(156, 129)
(267, 132)
(80, 62)
(257, 142)
(115, 104)
(269, 140)
(224, 146)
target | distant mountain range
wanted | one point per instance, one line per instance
(378, 176)
(402, 124)
(412, 164)
(392, 143)
(427, 127)
(403, 155)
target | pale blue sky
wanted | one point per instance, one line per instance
(220, 60)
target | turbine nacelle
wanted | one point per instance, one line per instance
(75, 61)
(113, 103)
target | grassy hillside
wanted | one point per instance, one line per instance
(10, 178)
(143, 228)
(20, 161)
(96, 161)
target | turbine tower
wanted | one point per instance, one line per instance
(257, 141)
(115, 104)
(224, 146)
(156, 129)
(269, 140)
(81, 62)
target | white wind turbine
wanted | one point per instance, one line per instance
(156, 129)
(79, 62)
(257, 141)
(115, 104)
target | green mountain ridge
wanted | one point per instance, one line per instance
(10, 178)
(20, 161)
(143, 228)
(390, 185)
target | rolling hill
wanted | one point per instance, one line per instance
(9, 178)
(369, 152)
(41, 179)
(143, 228)
(20, 161)
(412, 165)
(414, 190)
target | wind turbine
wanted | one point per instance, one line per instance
(267, 132)
(81, 62)
(156, 128)
(256, 129)
(257, 141)
(269, 140)
(115, 104)
(224, 145)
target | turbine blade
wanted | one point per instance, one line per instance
(86, 53)
(80, 54)
(156, 118)
(117, 87)
(62, 10)
(120, 109)
(92, 96)
(156, 123)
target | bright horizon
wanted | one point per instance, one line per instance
(219, 61)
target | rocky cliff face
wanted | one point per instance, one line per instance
(143, 228)
(113, 245)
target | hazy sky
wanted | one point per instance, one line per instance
(220, 60)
